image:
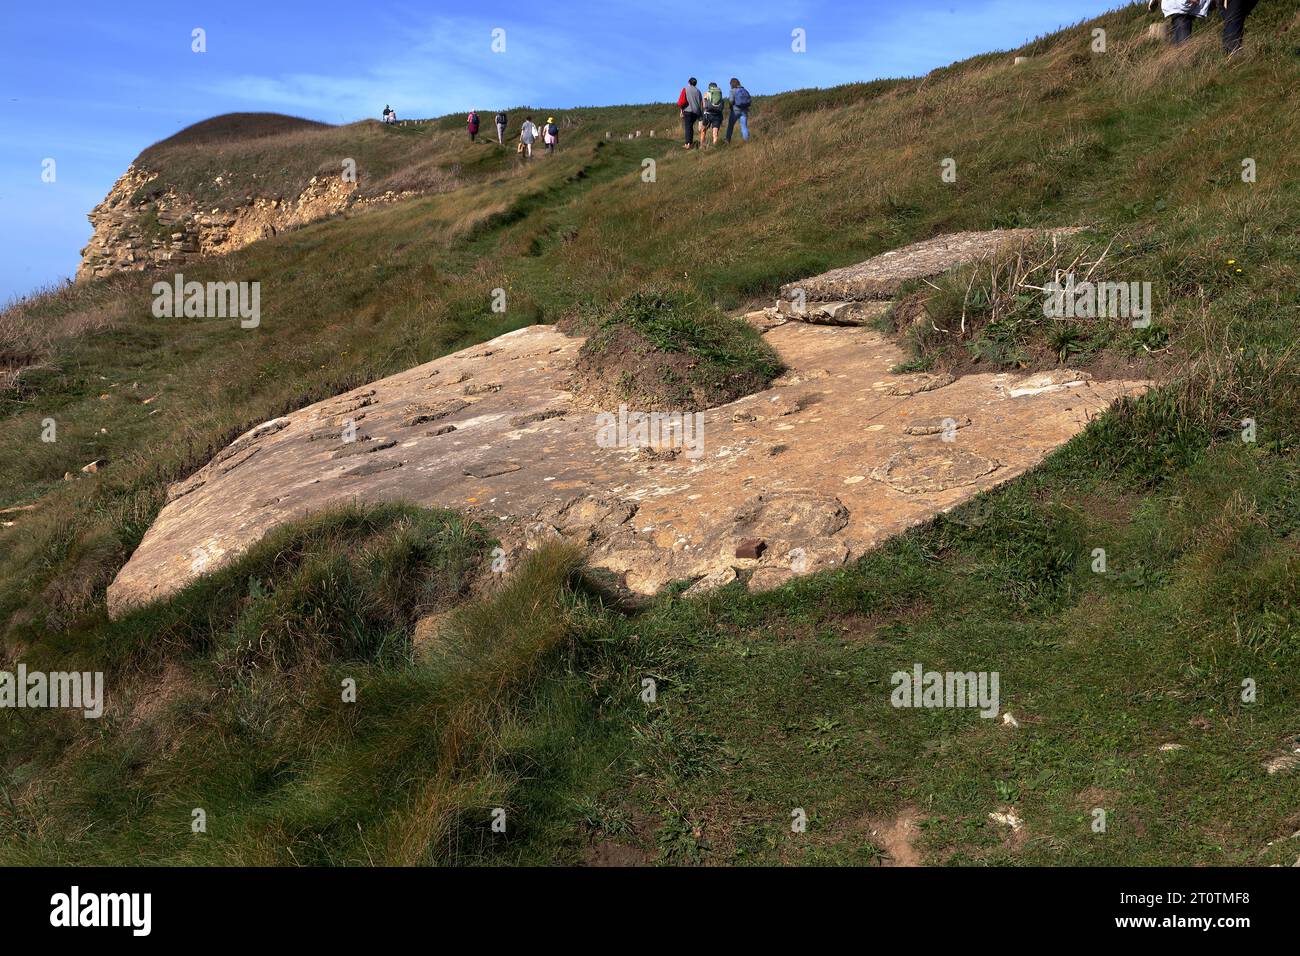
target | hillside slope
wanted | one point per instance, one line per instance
(527, 694)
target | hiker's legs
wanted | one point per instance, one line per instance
(731, 124)
(1181, 27)
(688, 128)
(744, 125)
(501, 135)
(1234, 23)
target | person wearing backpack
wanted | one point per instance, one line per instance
(550, 134)
(713, 102)
(502, 120)
(691, 103)
(472, 122)
(740, 101)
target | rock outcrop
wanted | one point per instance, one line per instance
(880, 277)
(135, 231)
(837, 455)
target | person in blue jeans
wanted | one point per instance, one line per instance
(739, 110)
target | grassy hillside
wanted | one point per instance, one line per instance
(527, 696)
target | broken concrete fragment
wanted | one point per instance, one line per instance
(751, 548)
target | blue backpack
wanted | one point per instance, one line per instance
(740, 98)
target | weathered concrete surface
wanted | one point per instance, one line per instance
(836, 456)
(881, 276)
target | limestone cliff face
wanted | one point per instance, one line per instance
(169, 230)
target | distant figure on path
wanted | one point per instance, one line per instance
(713, 102)
(740, 101)
(502, 120)
(472, 122)
(389, 115)
(550, 134)
(1181, 14)
(692, 106)
(1234, 14)
(527, 136)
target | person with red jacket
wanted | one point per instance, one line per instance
(691, 103)
(472, 121)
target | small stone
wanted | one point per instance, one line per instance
(1008, 819)
(711, 582)
(751, 548)
(94, 466)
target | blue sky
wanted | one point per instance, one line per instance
(91, 83)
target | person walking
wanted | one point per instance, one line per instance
(472, 122)
(739, 113)
(1234, 14)
(550, 134)
(691, 104)
(713, 103)
(1181, 14)
(527, 136)
(502, 121)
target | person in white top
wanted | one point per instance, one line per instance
(1181, 14)
(527, 135)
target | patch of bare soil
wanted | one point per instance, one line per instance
(632, 850)
(897, 837)
(149, 701)
(612, 853)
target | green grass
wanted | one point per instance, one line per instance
(528, 698)
(663, 348)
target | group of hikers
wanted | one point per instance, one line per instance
(705, 108)
(1181, 14)
(702, 108)
(529, 132)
